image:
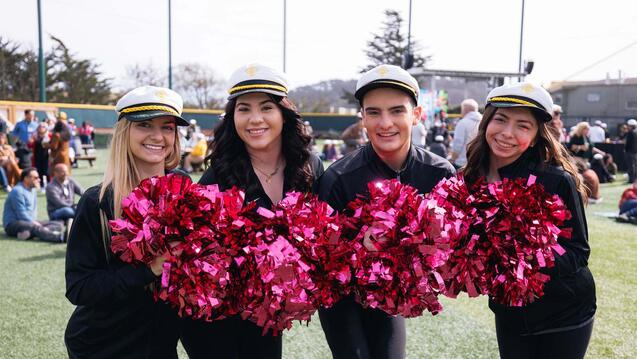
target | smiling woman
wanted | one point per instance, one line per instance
(514, 141)
(116, 316)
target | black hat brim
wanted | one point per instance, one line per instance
(149, 115)
(543, 115)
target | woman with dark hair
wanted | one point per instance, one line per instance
(262, 148)
(59, 145)
(514, 141)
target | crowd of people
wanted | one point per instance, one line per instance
(40, 158)
(263, 147)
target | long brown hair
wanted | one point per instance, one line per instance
(551, 152)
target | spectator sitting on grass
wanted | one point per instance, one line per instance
(60, 194)
(628, 205)
(20, 211)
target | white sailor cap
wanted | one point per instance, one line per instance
(387, 76)
(522, 94)
(632, 122)
(257, 78)
(148, 102)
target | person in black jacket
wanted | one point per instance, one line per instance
(262, 148)
(116, 316)
(514, 141)
(388, 97)
(630, 148)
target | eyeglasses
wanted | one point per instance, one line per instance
(557, 113)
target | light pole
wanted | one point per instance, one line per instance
(408, 58)
(285, 18)
(170, 47)
(521, 38)
(42, 67)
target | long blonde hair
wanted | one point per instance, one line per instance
(121, 172)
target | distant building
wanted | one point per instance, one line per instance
(612, 101)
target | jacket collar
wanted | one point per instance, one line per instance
(378, 163)
(522, 166)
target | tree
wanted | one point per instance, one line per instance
(75, 80)
(199, 86)
(18, 72)
(391, 46)
(148, 74)
(324, 96)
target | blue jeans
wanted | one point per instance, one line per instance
(629, 208)
(3, 178)
(62, 214)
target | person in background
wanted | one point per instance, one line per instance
(630, 147)
(590, 180)
(610, 164)
(25, 128)
(4, 125)
(514, 141)
(60, 194)
(9, 163)
(597, 133)
(86, 133)
(23, 155)
(59, 145)
(354, 135)
(465, 131)
(20, 212)
(438, 147)
(419, 134)
(39, 144)
(622, 132)
(599, 167)
(628, 205)
(580, 144)
(556, 126)
(197, 154)
(74, 142)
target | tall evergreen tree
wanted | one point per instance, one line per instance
(390, 46)
(18, 72)
(75, 80)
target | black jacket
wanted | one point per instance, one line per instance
(631, 141)
(116, 316)
(233, 337)
(569, 296)
(349, 176)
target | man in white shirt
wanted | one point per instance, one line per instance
(419, 134)
(465, 131)
(597, 133)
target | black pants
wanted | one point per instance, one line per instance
(354, 332)
(46, 231)
(570, 344)
(230, 338)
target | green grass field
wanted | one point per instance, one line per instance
(34, 311)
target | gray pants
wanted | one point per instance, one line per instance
(48, 232)
(631, 166)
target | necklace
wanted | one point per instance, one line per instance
(268, 177)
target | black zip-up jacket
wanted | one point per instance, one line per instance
(569, 296)
(233, 337)
(116, 316)
(349, 176)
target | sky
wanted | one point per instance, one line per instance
(326, 39)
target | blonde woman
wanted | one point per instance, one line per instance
(116, 316)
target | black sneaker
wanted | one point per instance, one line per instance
(622, 218)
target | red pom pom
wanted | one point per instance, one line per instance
(400, 241)
(285, 278)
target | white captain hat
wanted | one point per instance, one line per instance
(387, 76)
(148, 102)
(522, 94)
(257, 78)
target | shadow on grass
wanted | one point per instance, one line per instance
(56, 254)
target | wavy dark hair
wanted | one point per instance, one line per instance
(551, 152)
(230, 161)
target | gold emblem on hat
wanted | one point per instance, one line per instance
(162, 94)
(383, 71)
(251, 70)
(528, 88)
